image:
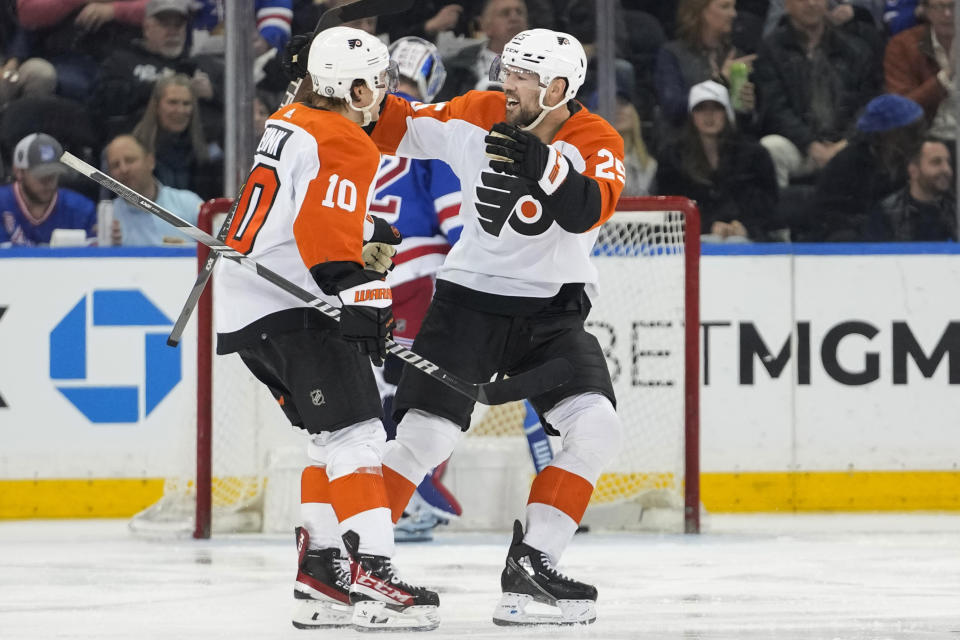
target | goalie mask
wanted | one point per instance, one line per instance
(419, 61)
(548, 54)
(340, 55)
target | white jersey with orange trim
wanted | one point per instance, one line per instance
(508, 246)
(303, 204)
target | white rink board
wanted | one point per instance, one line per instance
(772, 424)
(825, 423)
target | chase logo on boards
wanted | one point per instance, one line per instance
(116, 308)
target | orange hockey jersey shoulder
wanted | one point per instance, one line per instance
(596, 151)
(480, 108)
(329, 224)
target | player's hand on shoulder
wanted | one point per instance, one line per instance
(294, 59)
(366, 318)
(520, 153)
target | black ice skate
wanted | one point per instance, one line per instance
(381, 600)
(530, 577)
(322, 589)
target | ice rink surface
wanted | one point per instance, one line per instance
(747, 577)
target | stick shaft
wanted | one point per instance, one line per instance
(474, 391)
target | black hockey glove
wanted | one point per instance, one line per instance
(366, 318)
(520, 153)
(294, 59)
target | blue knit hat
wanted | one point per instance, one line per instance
(889, 111)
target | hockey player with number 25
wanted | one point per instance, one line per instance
(303, 214)
(539, 175)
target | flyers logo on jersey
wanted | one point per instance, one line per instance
(354, 43)
(503, 199)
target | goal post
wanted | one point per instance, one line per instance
(242, 463)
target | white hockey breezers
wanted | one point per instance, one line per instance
(512, 610)
(376, 615)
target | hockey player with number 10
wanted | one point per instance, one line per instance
(303, 214)
(539, 175)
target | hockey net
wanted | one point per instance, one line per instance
(244, 461)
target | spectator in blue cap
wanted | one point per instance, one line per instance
(869, 169)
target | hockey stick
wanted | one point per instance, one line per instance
(547, 376)
(331, 18)
(540, 451)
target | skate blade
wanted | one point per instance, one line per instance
(371, 615)
(320, 614)
(512, 611)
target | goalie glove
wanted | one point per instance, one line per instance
(366, 317)
(380, 240)
(519, 153)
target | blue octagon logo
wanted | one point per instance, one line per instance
(68, 357)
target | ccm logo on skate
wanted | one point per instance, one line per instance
(396, 595)
(366, 295)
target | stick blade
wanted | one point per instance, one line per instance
(528, 384)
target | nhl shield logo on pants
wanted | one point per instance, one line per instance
(316, 396)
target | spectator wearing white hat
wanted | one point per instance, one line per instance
(33, 206)
(730, 176)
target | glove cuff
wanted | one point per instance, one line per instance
(379, 230)
(555, 172)
(373, 293)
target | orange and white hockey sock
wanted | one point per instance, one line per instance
(399, 491)
(423, 442)
(316, 511)
(591, 434)
(555, 507)
(360, 502)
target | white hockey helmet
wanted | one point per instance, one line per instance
(419, 60)
(550, 54)
(340, 55)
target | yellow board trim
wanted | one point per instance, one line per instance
(719, 492)
(831, 491)
(78, 498)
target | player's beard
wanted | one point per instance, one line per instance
(522, 116)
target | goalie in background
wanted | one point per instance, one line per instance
(422, 199)
(304, 216)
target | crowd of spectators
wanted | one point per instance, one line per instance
(803, 120)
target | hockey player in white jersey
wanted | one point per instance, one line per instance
(303, 214)
(539, 175)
